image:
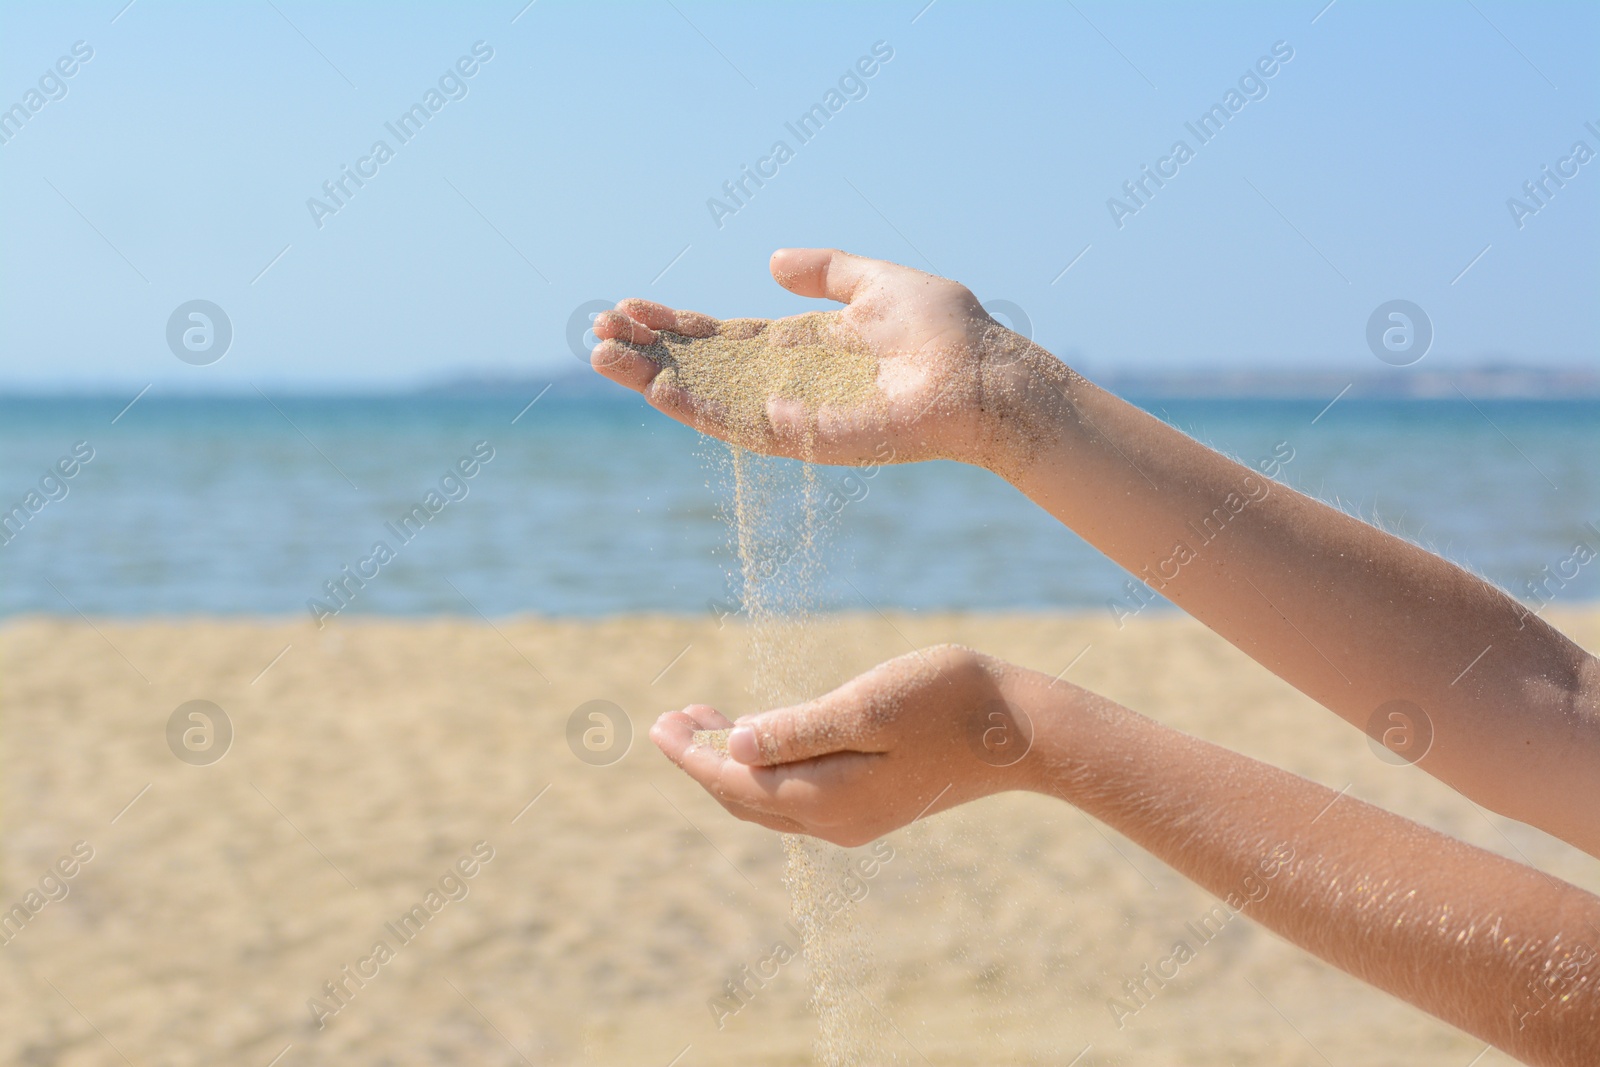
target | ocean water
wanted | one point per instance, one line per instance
(594, 505)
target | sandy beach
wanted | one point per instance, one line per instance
(377, 762)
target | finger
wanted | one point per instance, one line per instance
(614, 325)
(624, 365)
(812, 792)
(707, 717)
(674, 732)
(774, 798)
(816, 728)
(656, 316)
(678, 403)
(825, 272)
(628, 366)
(660, 317)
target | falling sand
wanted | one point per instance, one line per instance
(815, 362)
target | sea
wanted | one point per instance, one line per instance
(557, 501)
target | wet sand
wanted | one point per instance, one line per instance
(377, 762)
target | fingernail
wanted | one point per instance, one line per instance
(742, 744)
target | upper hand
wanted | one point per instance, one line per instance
(909, 738)
(949, 374)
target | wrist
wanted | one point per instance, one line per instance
(1028, 402)
(1074, 736)
(1021, 730)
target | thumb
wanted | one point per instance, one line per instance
(816, 728)
(819, 272)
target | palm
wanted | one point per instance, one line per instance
(929, 336)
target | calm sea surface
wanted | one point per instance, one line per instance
(594, 506)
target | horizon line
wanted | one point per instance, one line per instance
(1213, 381)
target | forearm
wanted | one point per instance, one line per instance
(1488, 945)
(1351, 616)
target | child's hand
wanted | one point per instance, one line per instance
(954, 382)
(911, 737)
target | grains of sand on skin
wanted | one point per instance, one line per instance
(812, 359)
(716, 740)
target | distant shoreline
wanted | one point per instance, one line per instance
(1478, 383)
(1486, 382)
(1564, 613)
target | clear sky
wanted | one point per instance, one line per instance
(577, 161)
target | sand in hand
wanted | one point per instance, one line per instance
(716, 740)
(815, 360)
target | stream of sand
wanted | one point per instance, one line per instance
(777, 534)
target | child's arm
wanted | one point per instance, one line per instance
(1350, 615)
(1490, 946)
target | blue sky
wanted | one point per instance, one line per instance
(579, 163)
